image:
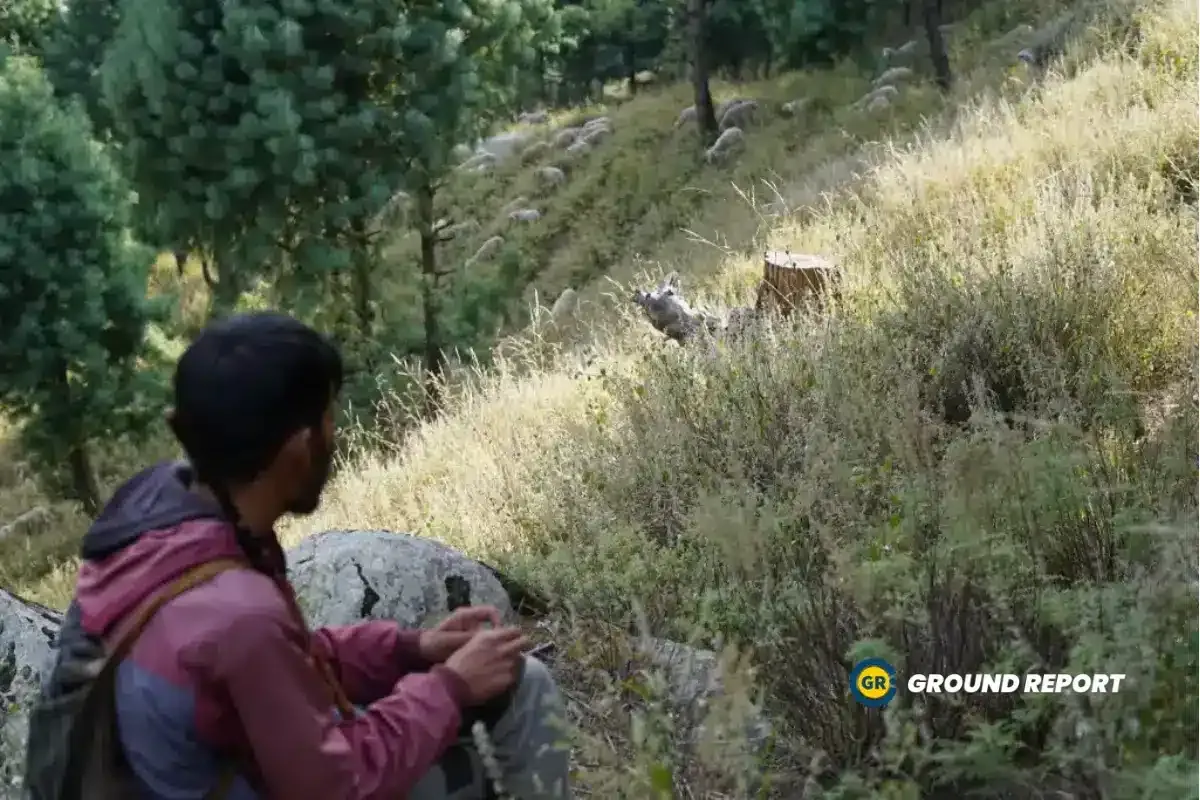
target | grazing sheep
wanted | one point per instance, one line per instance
(525, 215)
(533, 118)
(887, 91)
(534, 151)
(878, 103)
(566, 137)
(478, 160)
(394, 212)
(598, 122)
(520, 201)
(730, 141)
(908, 48)
(552, 176)
(686, 116)
(595, 135)
(579, 148)
(565, 305)
(794, 108)
(467, 226)
(460, 153)
(738, 115)
(893, 76)
(485, 251)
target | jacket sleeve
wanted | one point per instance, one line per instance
(369, 657)
(300, 748)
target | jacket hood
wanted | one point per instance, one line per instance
(157, 497)
(153, 529)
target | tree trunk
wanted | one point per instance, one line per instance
(937, 45)
(631, 69)
(363, 311)
(435, 359)
(83, 478)
(706, 117)
(791, 280)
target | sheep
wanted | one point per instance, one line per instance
(394, 211)
(534, 151)
(794, 108)
(908, 48)
(552, 176)
(566, 137)
(460, 153)
(520, 201)
(597, 122)
(478, 160)
(467, 226)
(878, 103)
(486, 250)
(525, 215)
(893, 76)
(579, 148)
(565, 305)
(686, 116)
(728, 142)
(595, 135)
(738, 115)
(887, 91)
(533, 118)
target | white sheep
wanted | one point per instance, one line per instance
(525, 215)
(552, 176)
(566, 137)
(597, 122)
(517, 202)
(686, 116)
(534, 151)
(878, 103)
(486, 250)
(579, 148)
(893, 76)
(595, 135)
(730, 140)
(478, 160)
(533, 118)
(565, 305)
(738, 115)
(908, 48)
(794, 108)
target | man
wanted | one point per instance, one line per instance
(224, 692)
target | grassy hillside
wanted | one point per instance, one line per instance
(984, 459)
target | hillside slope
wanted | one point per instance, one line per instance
(987, 457)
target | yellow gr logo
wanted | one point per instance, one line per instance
(873, 682)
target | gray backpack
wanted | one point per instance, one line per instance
(74, 751)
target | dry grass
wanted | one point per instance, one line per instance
(986, 458)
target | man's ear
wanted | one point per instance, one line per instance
(297, 448)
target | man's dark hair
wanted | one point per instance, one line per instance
(246, 384)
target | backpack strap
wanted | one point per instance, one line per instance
(195, 576)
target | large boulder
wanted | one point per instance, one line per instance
(346, 576)
(27, 633)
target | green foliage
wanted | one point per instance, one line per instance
(73, 308)
(75, 50)
(26, 24)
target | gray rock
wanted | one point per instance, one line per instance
(346, 576)
(27, 633)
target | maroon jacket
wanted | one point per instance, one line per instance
(223, 669)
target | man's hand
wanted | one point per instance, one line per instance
(470, 619)
(454, 631)
(489, 662)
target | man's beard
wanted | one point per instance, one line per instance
(322, 464)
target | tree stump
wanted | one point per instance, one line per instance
(792, 279)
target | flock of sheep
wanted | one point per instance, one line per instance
(734, 117)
